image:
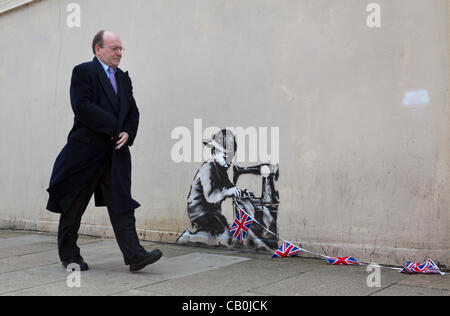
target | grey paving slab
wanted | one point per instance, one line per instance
(407, 290)
(105, 277)
(329, 280)
(28, 261)
(171, 250)
(252, 294)
(93, 282)
(193, 263)
(109, 276)
(24, 243)
(439, 282)
(136, 293)
(11, 233)
(24, 240)
(24, 237)
(26, 249)
(25, 279)
(234, 279)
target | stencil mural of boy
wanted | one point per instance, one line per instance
(211, 186)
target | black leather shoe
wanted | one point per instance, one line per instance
(145, 259)
(79, 261)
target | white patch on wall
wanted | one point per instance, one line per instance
(416, 101)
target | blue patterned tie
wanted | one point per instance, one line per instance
(112, 78)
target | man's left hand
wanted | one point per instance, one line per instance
(123, 138)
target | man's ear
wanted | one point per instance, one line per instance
(97, 49)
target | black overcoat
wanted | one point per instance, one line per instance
(99, 115)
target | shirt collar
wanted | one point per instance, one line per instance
(105, 66)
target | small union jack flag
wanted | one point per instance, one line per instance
(343, 261)
(241, 225)
(428, 267)
(286, 250)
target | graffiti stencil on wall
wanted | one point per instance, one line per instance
(212, 186)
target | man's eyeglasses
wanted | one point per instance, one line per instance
(116, 49)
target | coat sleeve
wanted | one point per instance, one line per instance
(89, 113)
(131, 122)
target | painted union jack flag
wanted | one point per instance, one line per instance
(343, 261)
(241, 225)
(428, 267)
(286, 250)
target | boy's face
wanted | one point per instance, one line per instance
(224, 159)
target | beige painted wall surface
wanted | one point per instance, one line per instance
(363, 113)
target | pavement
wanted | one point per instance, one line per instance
(29, 266)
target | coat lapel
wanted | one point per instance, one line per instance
(107, 87)
(124, 104)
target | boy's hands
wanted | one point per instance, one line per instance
(234, 191)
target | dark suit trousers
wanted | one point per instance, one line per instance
(124, 225)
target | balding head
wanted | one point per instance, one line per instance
(110, 35)
(107, 46)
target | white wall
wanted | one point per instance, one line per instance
(363, 171)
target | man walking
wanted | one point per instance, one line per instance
(96, 159)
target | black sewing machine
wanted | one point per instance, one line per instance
(265, 206)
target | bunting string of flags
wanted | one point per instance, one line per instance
(241, 225)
